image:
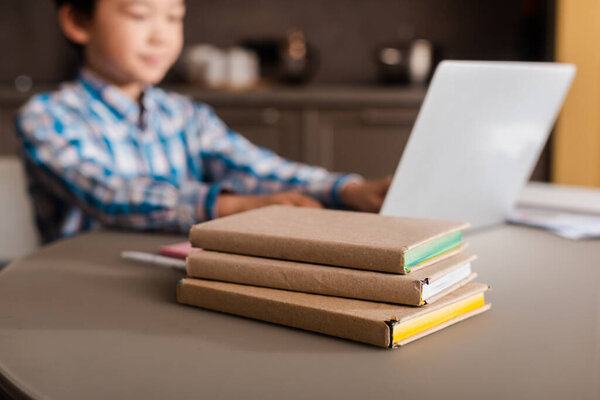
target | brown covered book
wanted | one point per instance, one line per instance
(379, 324)
(421, 287)
(333, 237)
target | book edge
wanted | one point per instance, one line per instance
(452, 288)
(446, 324)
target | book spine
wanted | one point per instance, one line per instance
(304, 277)
(339, 254)
(312, 319)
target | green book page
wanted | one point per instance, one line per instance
(431, 249)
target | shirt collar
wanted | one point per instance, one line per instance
(121, 104)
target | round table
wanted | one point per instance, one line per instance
(78, 322)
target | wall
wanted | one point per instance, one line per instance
(346, 32)
(576, 158)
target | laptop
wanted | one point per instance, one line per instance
(478, 135)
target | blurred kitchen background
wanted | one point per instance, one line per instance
(345, 33)
(336, 83)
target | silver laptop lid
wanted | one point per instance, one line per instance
(478, 135)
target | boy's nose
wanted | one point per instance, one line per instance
(157, 37)
(160, 32)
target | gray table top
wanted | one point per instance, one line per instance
(78, 322)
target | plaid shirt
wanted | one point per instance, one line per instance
(95, 157)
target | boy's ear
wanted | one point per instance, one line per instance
(73, 24)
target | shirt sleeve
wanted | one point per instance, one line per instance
(74, 169)
(230, 158)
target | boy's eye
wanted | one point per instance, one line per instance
(138, 17)
(137, 11)
(177, 14)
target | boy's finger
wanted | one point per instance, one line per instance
(386, 181)
(384, 184)
(295, 198)
(308, 201)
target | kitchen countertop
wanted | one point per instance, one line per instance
(318, 95)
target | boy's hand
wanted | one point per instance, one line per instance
(228, 204)
(366, 196)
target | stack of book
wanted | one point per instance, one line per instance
(376, 279)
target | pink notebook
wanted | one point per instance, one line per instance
(178, 250)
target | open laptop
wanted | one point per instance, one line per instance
(479, 133)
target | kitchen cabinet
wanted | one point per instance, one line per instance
(8, 139)
(361, 130)
(276, 129)
(368, 141)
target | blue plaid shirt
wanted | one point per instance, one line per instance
(95, 157)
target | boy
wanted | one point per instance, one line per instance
(111, 149)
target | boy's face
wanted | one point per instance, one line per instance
(134, 41)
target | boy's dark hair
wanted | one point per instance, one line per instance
(84, 9)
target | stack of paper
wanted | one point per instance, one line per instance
(572, 212)
(376, 279)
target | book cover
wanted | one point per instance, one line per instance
(379, 324)
(332, 237)
(418, 288)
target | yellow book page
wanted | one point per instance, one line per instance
(437, 317)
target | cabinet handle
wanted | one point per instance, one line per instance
(271, 116)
